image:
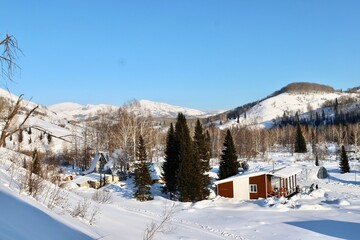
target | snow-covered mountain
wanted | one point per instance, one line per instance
(75, 111)
(163, 110)
(289, 101)
(142, 107)
(62, 122)
(59, 120)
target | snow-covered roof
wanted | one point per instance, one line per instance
(241, 175)
(283, 173)
(89, 177)
(286, 172)
(109, 162)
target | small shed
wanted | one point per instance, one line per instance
(244, 186)
(282, 182)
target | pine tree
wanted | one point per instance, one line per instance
(142, 178)
(316, 160)
(189, 179)
(20, 136)
(202, 148)
(344, 162)
(36, 165)
(49, 138)
(300, 144)
(171, 165)
(229, 165)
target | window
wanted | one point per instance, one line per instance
(253, 188)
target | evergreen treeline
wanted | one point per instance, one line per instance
(317, 118)
(250, 143)
(186, 162)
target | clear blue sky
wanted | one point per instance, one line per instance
(204, 54)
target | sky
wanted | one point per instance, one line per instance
(202, 54)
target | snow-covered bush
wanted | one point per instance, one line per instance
(81, 209)
(102, 196)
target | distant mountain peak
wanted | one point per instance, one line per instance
(304, 87)
(158, 109)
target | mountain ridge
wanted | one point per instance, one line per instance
(139, 107)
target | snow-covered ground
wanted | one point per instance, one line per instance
(330, 212)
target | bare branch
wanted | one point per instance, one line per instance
(8, 57)
(5, 131)
(154, 228)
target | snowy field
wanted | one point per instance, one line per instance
(330, 212)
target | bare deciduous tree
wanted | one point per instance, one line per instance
(10, 126)
(154, 228)
(8, 57)
(8, 67)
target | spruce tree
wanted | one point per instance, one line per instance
(20, 136)
(202, 148)
(142, 178)
(344, 161)
(49, 138)
(36, 165)
(229, 165)
(170, 167)
(317, 160)
(300, 144)
(188, 179)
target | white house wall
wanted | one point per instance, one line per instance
(241, 188)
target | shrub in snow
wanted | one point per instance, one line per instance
(102, 196)
(54, 196)
(81, 209)
(93, 215)
(244, 165)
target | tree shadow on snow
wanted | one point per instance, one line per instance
(333, 178)
(331, 228)
(124, 189)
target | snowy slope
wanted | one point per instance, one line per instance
(80, 112)
(290, 103)
(42, 122)
(332, 212)
(25, 219)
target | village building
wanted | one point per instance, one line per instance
(101, 163)
(100, 173)
(95, 180)
(282, 182)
